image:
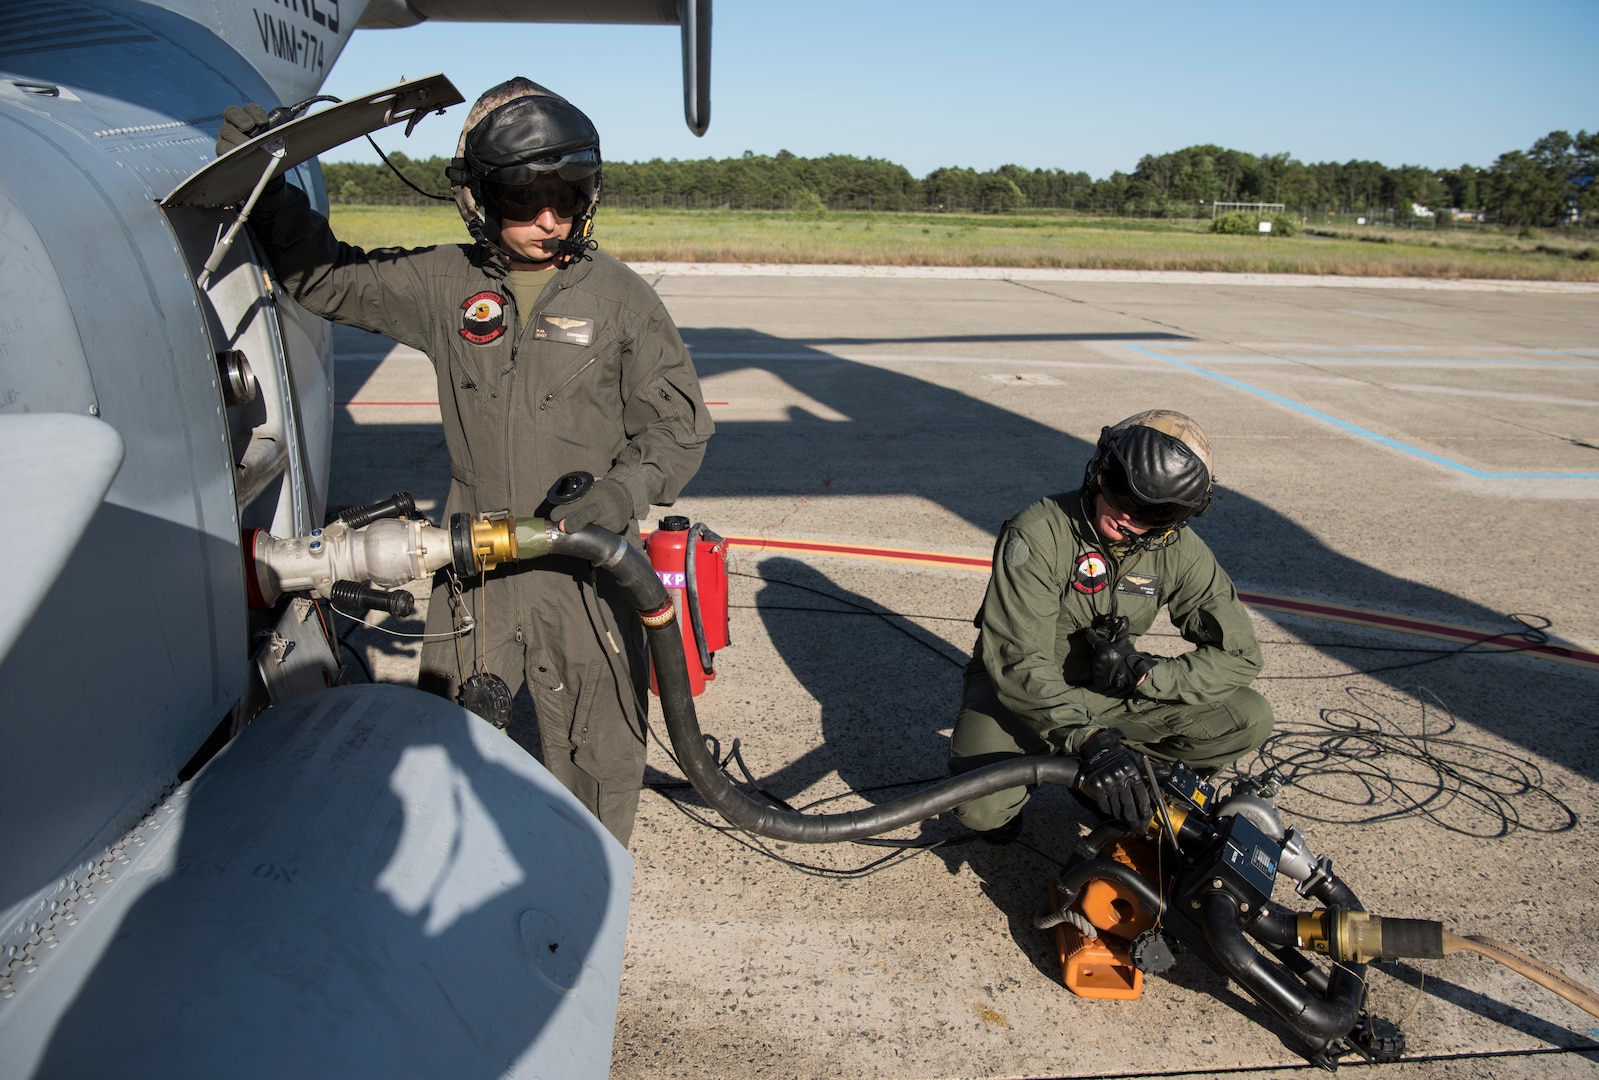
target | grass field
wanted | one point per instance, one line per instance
(1021, 240)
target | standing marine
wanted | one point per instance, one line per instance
(1077, 578)
(551, 358)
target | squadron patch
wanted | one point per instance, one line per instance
(483, 318)
(1091, 574)
(564, 328)
(1139, 584)
(1016, 551)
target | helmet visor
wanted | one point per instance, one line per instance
(1119, 493)
(578, 165)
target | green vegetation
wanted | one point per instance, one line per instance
(1239, 223)
(1531, 215)
(1026, 239)
(1549, 185)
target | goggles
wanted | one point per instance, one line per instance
(524, 202)
(1119, 494)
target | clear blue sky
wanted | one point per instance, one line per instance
(1063, 84)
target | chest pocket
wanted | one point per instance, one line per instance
(577, 396)
(567, 384)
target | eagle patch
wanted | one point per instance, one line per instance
(1091, 573)
(483, 318)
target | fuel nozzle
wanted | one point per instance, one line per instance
(358, 564)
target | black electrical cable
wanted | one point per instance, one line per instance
(403, 178)
(1452, 780)
(344, 643)
(1430, 774)
(1534, 636)
(278, 116)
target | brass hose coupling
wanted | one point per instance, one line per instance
(481, 542)
(1343, 934)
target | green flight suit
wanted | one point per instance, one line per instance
(1026, 689)
(592, 376)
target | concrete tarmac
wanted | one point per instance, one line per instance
(1408, 475)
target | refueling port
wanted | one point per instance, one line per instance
(238, 381)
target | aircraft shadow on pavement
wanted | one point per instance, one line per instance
(884, 687)
(879, 692)
(1500, 1012)
(883, 738)
(905, 437)
(986, 339)
(886, 690)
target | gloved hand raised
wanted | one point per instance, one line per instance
(1109, 774)
(608, 504)
(1115, 666)
(240, 124)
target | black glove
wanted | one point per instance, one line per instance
(1109, 774)
(1115, 666)
(240, 124)
(608, 504)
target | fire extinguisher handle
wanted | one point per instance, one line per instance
(691, 587)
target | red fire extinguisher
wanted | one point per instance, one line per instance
(692, 564)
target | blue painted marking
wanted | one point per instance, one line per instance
(1360, 432)
(1398, 361)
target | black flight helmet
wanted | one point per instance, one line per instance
(1155, 467)
(521, 136)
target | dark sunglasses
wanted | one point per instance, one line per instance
(524, 203)
(1119, 494)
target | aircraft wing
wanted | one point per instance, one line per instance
(229, 179)
(694, 16)
(54, 470)
(395, 13)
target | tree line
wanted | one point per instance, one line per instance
(1550, 183)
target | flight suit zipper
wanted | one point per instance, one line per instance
(544, 403)
(516, 348)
